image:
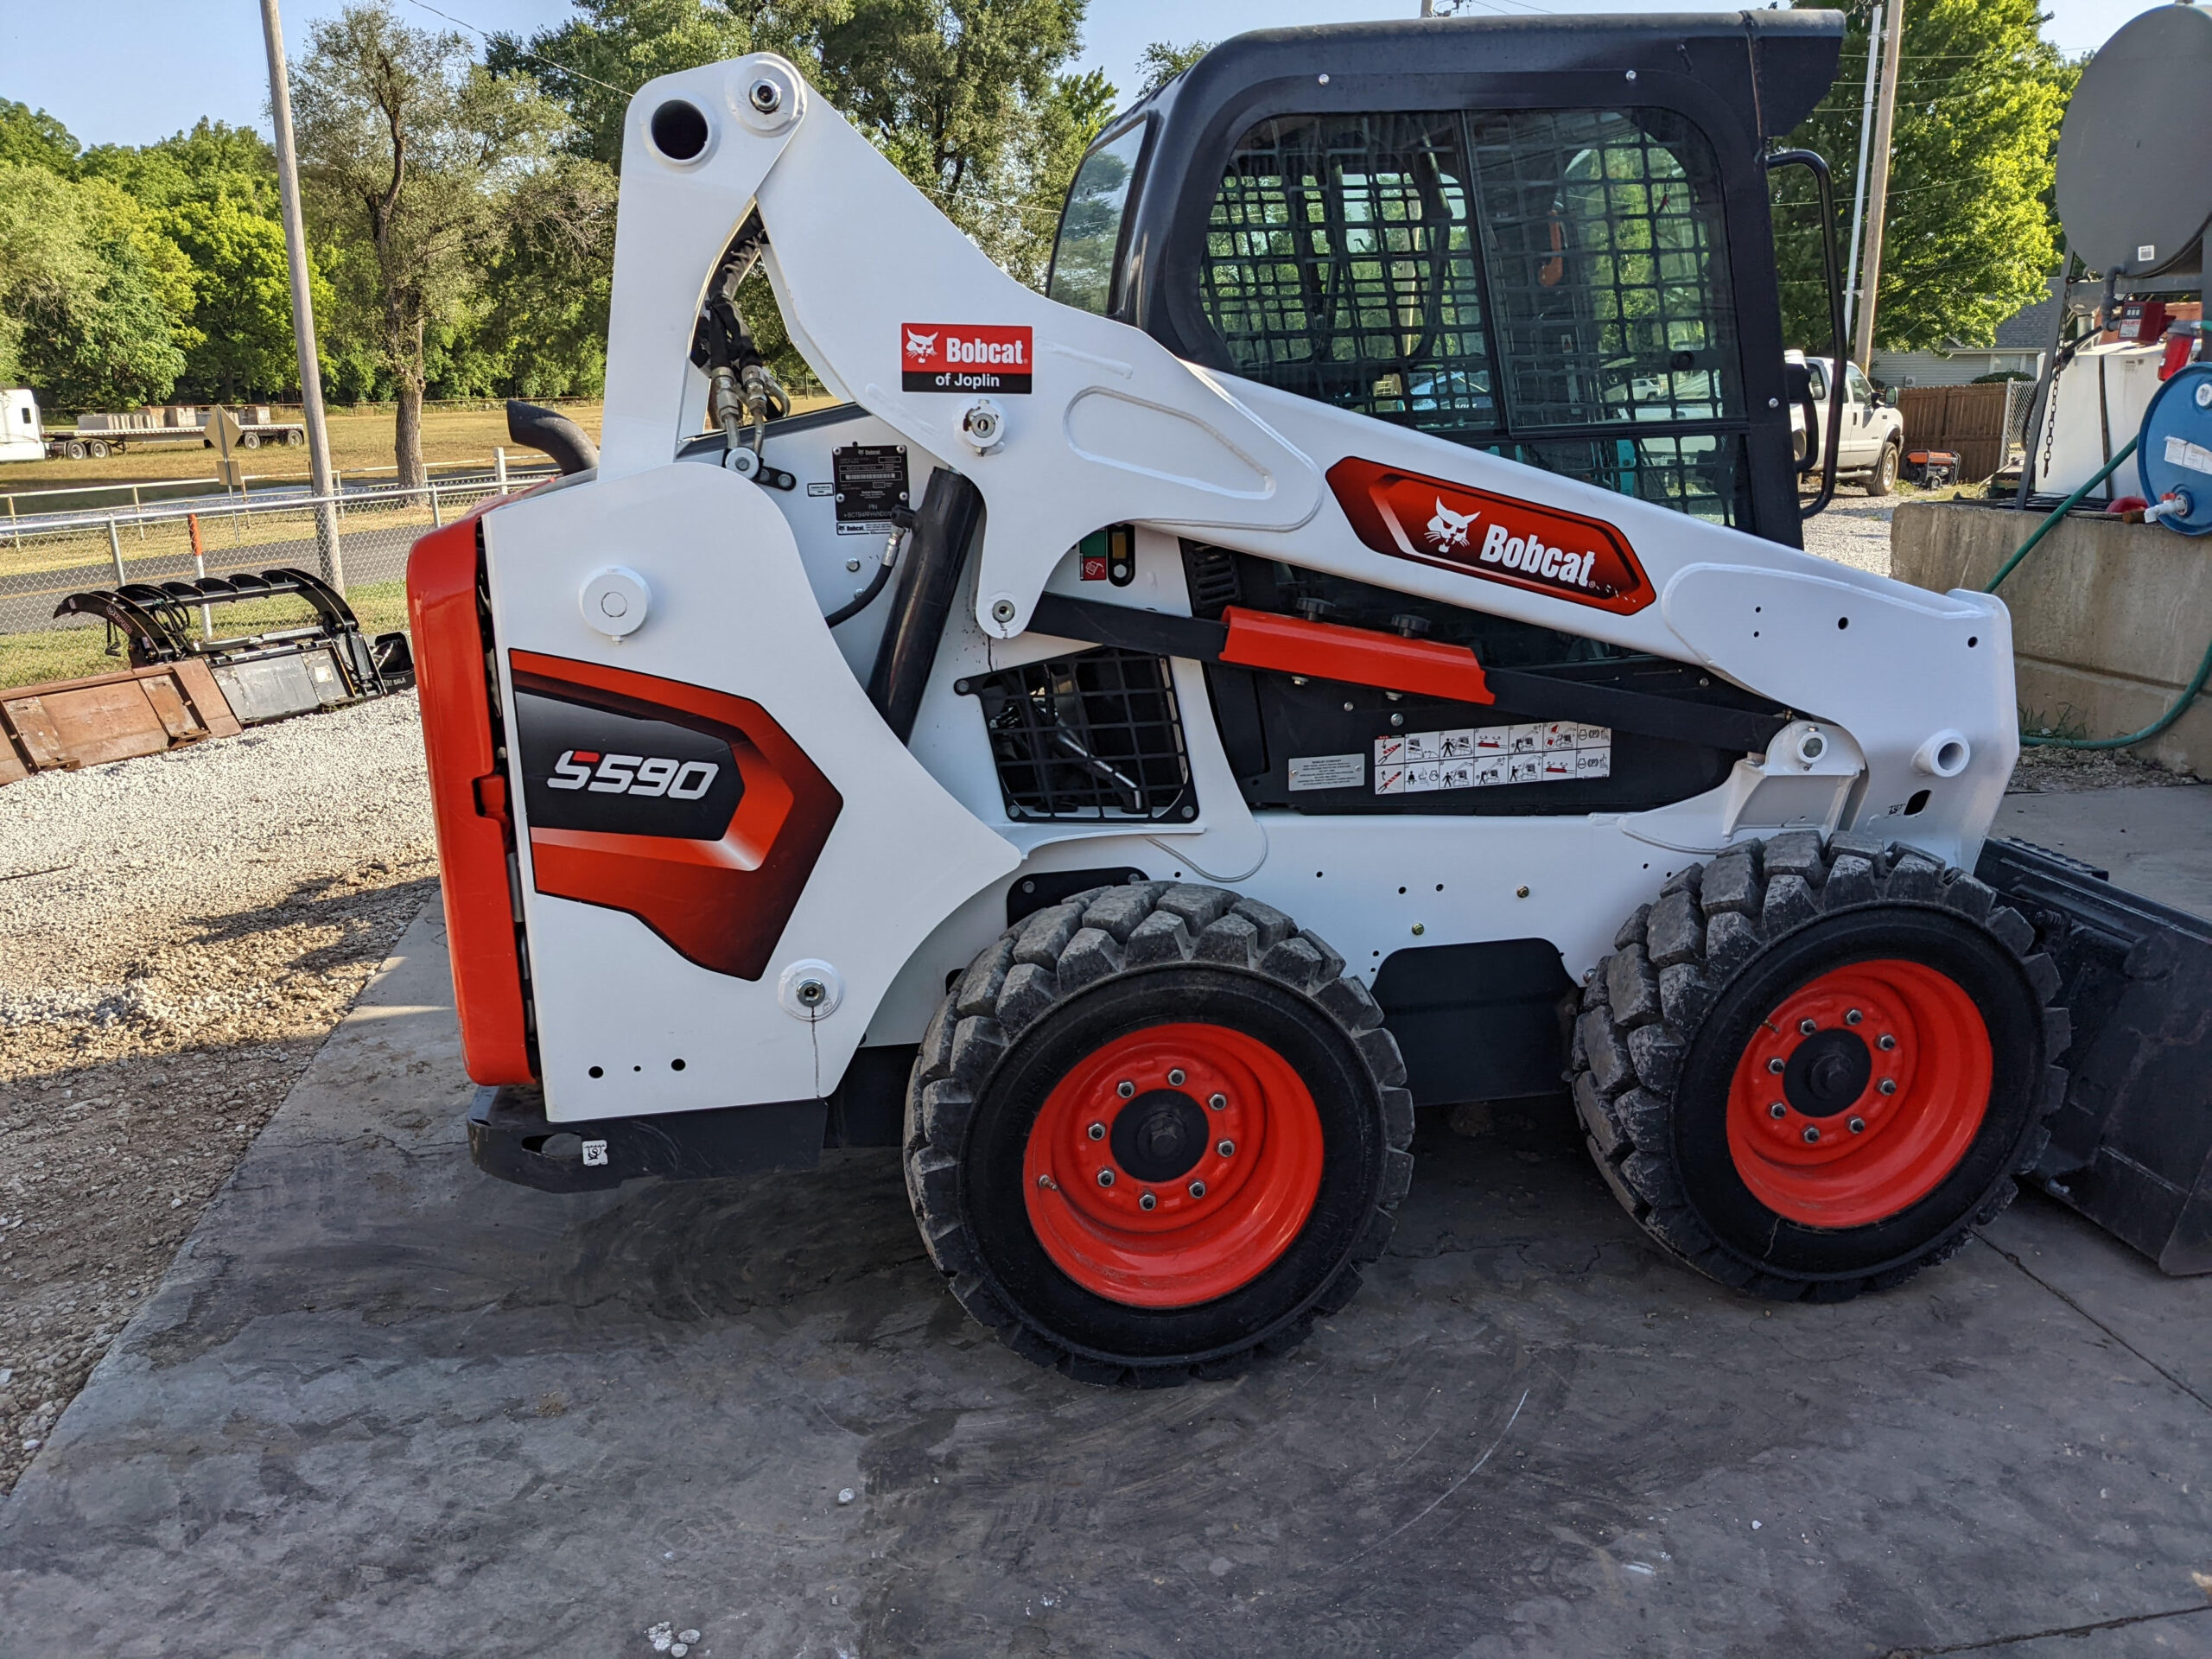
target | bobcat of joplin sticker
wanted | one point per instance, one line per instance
(965, 357)
(1562, 554)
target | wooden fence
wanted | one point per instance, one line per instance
(1969, 421)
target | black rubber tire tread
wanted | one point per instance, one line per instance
(1054, 955)
(1638, 1011)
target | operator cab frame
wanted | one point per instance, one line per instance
(1522, 234)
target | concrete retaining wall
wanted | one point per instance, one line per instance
(2109, 620)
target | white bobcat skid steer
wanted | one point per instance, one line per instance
(1140, 743)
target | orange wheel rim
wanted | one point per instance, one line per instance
(1172, 1165)
(1859, 1093)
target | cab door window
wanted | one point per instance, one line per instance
(1089, 238)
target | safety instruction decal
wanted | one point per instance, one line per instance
(965, 357)
(1328, 771)
(1555, 751)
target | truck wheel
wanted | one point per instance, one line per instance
(1884, 478)
(96, 449)
(1808, 1070)
(248, 440)
(294, 438)
(74, 448)
(1153, 1132)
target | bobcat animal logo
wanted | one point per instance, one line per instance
(919, 346)
(1448, 530)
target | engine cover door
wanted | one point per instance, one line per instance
(725, 856)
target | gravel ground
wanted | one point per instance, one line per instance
(177, 935)
(1854, 528)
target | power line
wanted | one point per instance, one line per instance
(533, 57)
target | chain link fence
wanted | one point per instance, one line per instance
(359, 540)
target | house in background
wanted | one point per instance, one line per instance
(2021, 341)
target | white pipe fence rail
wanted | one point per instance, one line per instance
(44, 559)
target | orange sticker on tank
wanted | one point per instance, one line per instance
(1409, 516)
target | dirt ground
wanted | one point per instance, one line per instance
(178, 935)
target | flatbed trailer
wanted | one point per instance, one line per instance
(98, 445)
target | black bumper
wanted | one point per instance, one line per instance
(2132, 1147)
(510, 1136)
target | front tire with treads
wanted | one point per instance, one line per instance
(1153, 1132)
(1814, 1066)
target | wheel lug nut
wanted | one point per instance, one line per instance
(1889, 1085)
(1853, 1018)
(1105, 1177)
(1227, 1148)
(1858, 1126)
(1775, 1065)
(1175, 1079)
(1811, 1135)
(1048, 1183)
(1807, 1027)
(1198, 1189)
(1778, 1110)
(1146, 1202)
(1885, 1042)
(1217, 1102)
(1097, 1131)
(1125, 1088)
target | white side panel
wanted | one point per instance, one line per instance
(731, 609)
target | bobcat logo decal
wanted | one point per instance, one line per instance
(919, 346)
(1448, 530)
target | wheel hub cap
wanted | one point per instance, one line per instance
(1196, 1188)
(1896, 1045)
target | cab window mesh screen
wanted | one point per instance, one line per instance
(1552, 285)
(1607, 267)
(1340, 265)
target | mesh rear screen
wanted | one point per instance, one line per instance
(1549, 285)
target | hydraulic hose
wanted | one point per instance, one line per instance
(2059, 512)
(2180, 704)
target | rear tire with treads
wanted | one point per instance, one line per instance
(1220, 1066)
(1813, 1067)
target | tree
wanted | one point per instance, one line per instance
(411, 153)
(1969, 237)
(92, 294)
(1163, 60)
(214, 161)
(550, 283)
(593, 63)
(968, 98)
(31, 138)
(243, 305)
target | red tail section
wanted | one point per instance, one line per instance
(468, 803)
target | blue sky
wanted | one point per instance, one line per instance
(133, 71)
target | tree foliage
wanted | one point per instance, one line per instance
(1969, 237)
(415, 157)
(92, 294)
(31, 138)
(1163, 60)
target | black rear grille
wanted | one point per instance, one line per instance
(1095, 736)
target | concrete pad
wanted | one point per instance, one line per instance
(384, 1405)
(2156, 840)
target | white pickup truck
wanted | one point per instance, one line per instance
(1872, 443)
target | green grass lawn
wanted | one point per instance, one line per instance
(79, 653)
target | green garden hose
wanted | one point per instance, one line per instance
(2188, 693)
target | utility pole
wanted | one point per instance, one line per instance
(1859, 191)
(1878, 192)
(296, 249)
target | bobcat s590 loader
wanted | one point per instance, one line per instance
(1345, 648)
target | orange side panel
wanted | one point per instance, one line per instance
(474, 840)
(1326, 651)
